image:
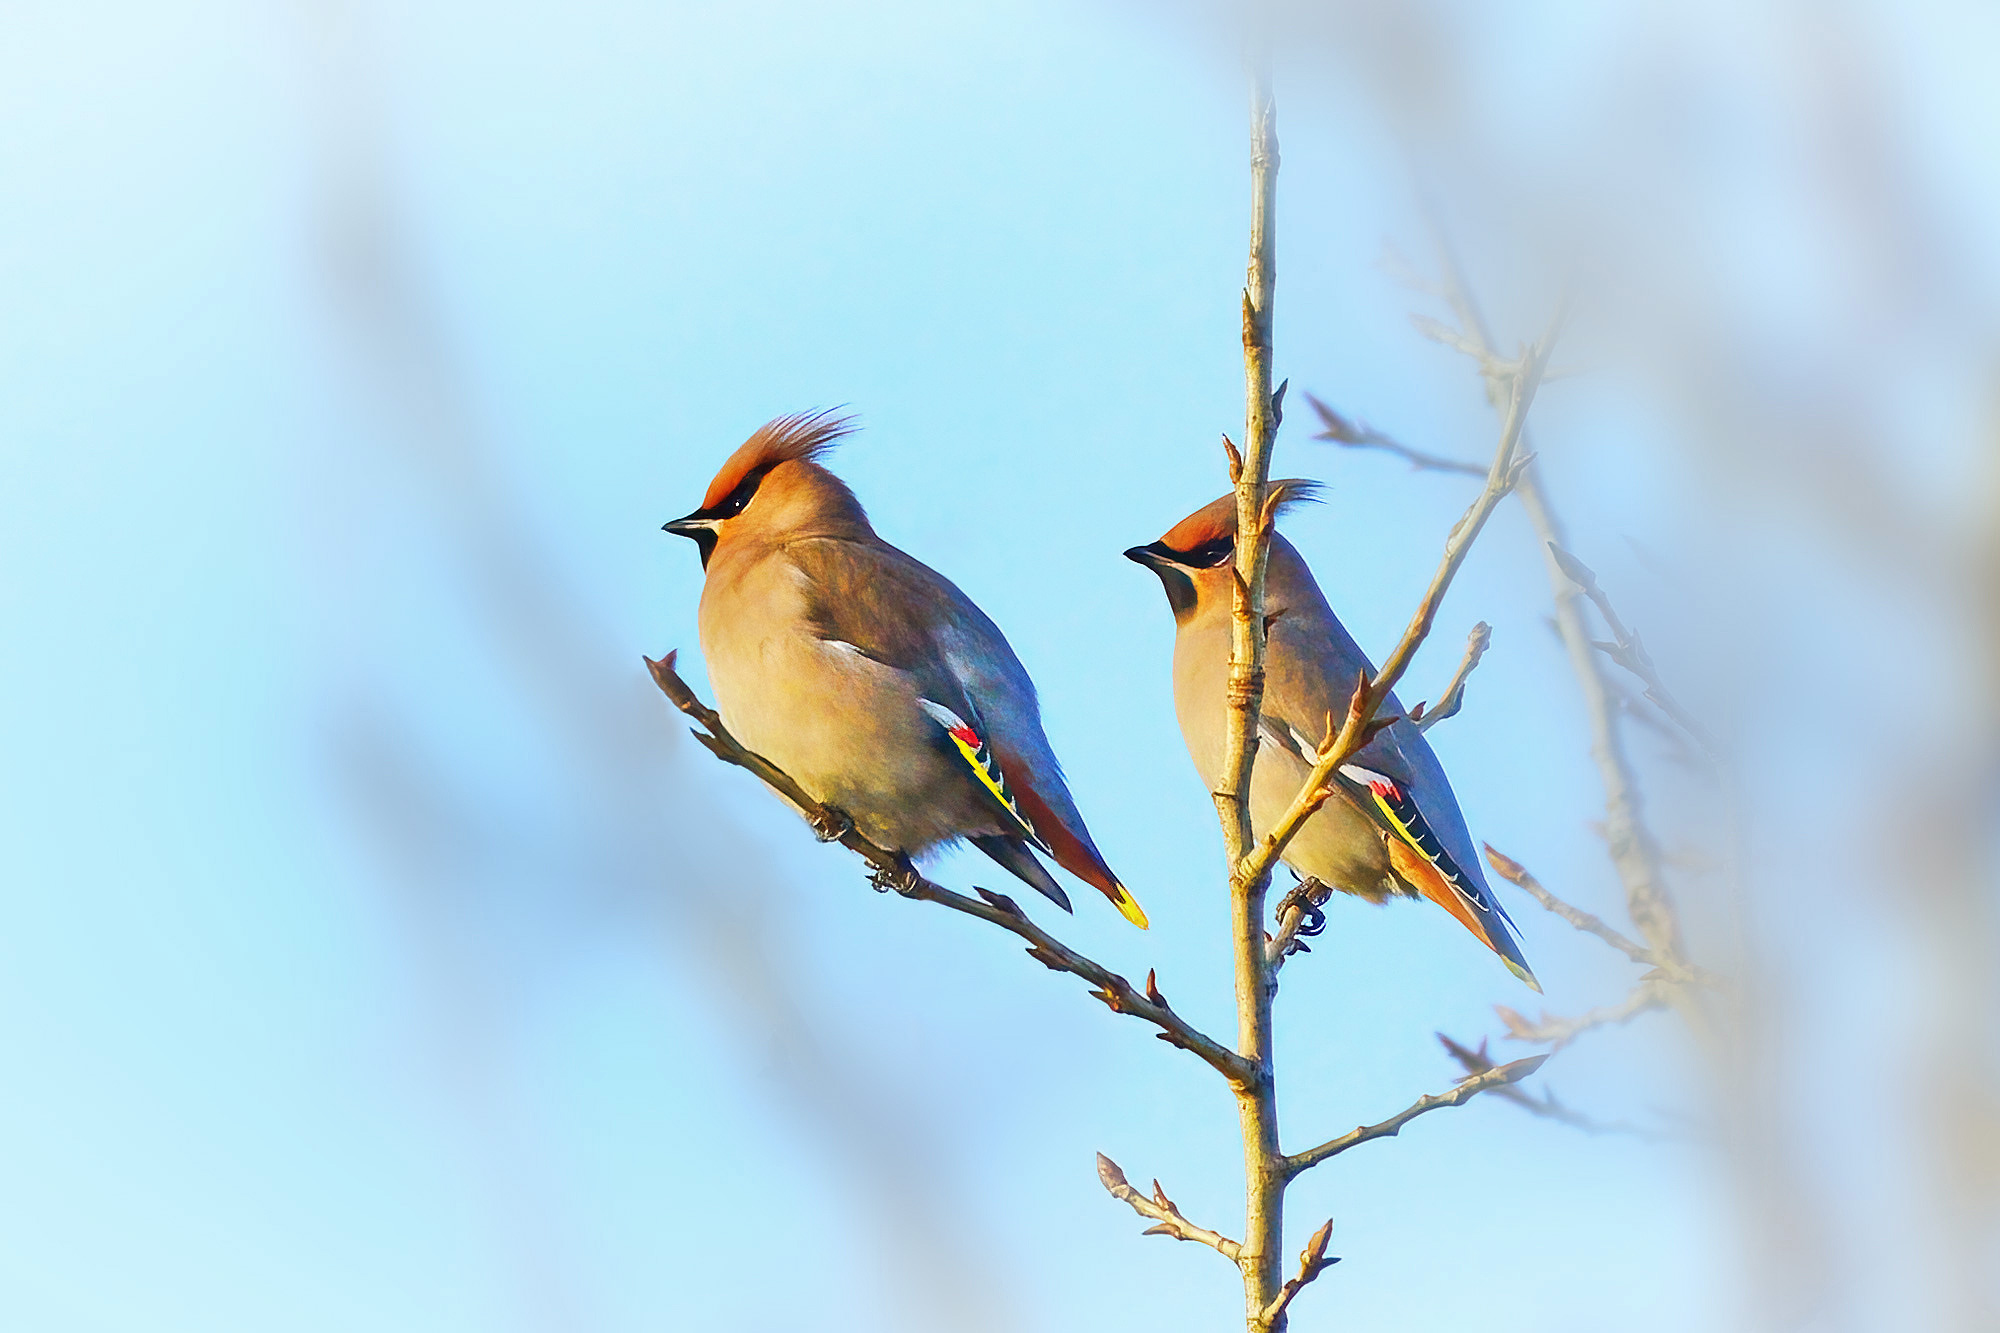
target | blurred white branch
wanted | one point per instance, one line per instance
(1547, 1106)
(1355, 435)
(1556, 1033)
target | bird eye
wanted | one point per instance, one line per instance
(1212, 553)
(739, 499)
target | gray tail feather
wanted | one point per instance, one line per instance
(1015, 855)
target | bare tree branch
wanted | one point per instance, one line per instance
(1312, 1262)
(1556, 1032)
(1249, 473)
(1626, 650)
(1492, 366)
(1476, 644)
(1356, 435)
(1670, 969)
(1497, 1077)
(1515, 873)
(1164, 1211)
(1547, 1106)
(892, 870)
(1633, 851)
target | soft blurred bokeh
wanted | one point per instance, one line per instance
(379, 952)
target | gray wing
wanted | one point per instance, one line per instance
(901, 612)
(894, 609)
(1312, 669)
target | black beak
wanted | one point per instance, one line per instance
(695, 525)
(1164, 561)
(698, 527)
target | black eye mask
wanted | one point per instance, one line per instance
(700, 525)
(1210, 554)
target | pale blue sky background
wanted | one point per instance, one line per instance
(372, 956)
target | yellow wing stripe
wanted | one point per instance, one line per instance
(980, 759)
(1415, 837)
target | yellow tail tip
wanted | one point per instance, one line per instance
(1129, 907)
(1524, 974)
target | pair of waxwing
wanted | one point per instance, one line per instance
(885, 693)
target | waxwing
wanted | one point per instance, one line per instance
(870, 679)
(1393, 826)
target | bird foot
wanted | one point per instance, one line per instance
(903, 879)
(831, 824)
(1308, 897)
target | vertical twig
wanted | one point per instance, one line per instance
(1256, 1099)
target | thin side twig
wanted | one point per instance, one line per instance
(1670, 969)
(1556, 1032)
(1358, 435)
(1547, 1106)
(1517, 874)
(1476, 644)
(1497, 1077)
(1627, 651)
(893, 870)
(1491, 366)
(1312, 1262)
(1163, 1211)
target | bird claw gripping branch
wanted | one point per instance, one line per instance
(904, 879)
(1308, 896)
(831, 824)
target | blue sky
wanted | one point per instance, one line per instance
(382, 954)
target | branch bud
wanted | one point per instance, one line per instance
(1313, 1257)
(1506, 866)
(1573, 569)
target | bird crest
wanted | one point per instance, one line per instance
(800, 436)
(1217, 521)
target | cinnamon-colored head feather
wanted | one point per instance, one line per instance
(802, 435)
(1217, 520)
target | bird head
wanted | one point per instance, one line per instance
(772, 485)
(1194, 559)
